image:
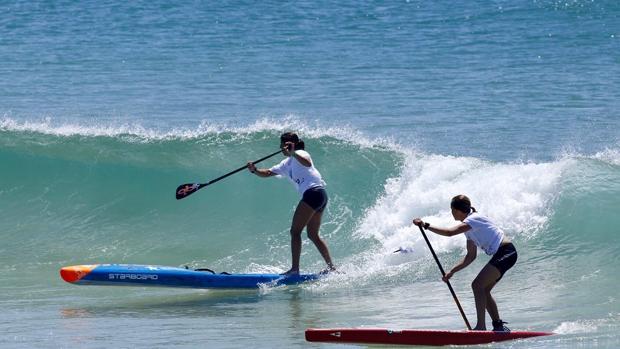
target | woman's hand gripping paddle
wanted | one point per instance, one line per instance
(187, 189)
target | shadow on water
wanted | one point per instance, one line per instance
(205, 303)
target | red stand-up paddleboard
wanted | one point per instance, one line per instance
(413, 337)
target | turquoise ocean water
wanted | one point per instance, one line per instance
(105, 107)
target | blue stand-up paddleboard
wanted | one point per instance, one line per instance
(155, 275)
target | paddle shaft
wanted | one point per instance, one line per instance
(443, 273)
(237, 170)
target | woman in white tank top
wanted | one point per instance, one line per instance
(299, 169)
(483, 233)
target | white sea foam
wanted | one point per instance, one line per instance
(574, 327)
(94, 128)
(136, 130)
(516, 196)
(609, 155)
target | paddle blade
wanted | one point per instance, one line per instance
(185, 190)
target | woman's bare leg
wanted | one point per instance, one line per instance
(487, 277)
(302, 216)
(491, 305)
(314, 226)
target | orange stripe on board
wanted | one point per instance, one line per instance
(75, 272)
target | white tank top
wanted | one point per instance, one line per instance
(302, 177)
(483, 233)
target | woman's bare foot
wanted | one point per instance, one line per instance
(329, 269)
(291, 272)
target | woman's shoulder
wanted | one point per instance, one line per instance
(475, 217)
(479, 219)
(284, 163)
(302, 152)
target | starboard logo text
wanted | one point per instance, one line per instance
(132, 277)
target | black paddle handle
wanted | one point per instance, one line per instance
(237, 170)
(443, 273)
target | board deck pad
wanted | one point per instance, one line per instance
(413, 337)
(163, 276)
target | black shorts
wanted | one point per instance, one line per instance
(315, 198)
(504, 258)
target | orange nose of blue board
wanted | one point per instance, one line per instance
(75, 272)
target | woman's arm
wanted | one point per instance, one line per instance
(289, 150)
(302, 160)
(261, 172)
(469, 257)
(457, 229)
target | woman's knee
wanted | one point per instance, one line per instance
(296, 232)
(486, 279)
(479, 285)
(488, 288)
(314, 236)
(475, 285)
